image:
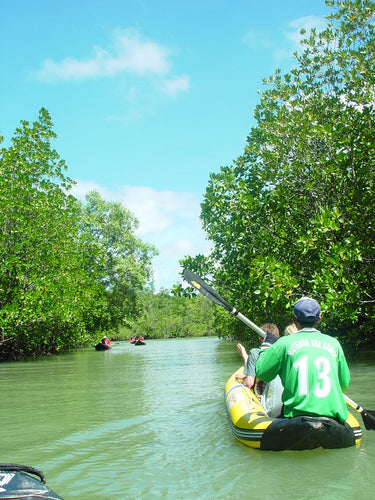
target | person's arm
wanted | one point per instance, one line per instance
(343, 371)
(251, 362)
(247, 380)
(248, 376)
(268, 364)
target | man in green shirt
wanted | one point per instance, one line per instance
(311, 365)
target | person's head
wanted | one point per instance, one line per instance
(270, 327)
(290, 329)
(306, 313)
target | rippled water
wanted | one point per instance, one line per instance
(149, 422)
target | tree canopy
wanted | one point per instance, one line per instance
(164, 316)
(122, 260)
(67, 271)
(294, 214)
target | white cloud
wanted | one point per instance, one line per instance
(292, 32)
(174, 85)
(129, 54)
(180, 247)
(167, 219)
(286, 42)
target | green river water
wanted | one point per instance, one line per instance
(149, 422)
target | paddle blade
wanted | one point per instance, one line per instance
(206, 289)
(368, 417)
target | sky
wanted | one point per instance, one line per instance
(147, 97)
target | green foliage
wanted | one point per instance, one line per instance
(44, 293)
(122, 260)
(167, 316)
(67, 272)
(294, 215)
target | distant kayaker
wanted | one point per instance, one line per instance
(311, 365)
(106, 341)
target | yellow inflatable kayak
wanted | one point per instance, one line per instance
(252, 426)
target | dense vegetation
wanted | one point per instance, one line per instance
(294, 215)
(70, 272)
(166, 316)
(67, 271)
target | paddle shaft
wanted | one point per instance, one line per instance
(249, 323)
(353, 404)
(212, 294)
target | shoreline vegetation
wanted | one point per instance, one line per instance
(292, 216)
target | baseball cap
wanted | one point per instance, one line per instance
(307, 310)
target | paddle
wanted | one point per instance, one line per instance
(212, 294)
(368, 416)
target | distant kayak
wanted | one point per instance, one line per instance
(100, 346)
(140, 341)
(23, 482)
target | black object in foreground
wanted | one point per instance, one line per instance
(19, 481)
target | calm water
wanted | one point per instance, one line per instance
(149, 422)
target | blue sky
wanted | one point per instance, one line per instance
(148, 97)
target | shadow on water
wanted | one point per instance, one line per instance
(150, 422)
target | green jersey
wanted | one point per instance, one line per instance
(313, 370)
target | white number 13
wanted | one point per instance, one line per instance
(323, 387)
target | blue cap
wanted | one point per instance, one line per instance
(306, 310)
